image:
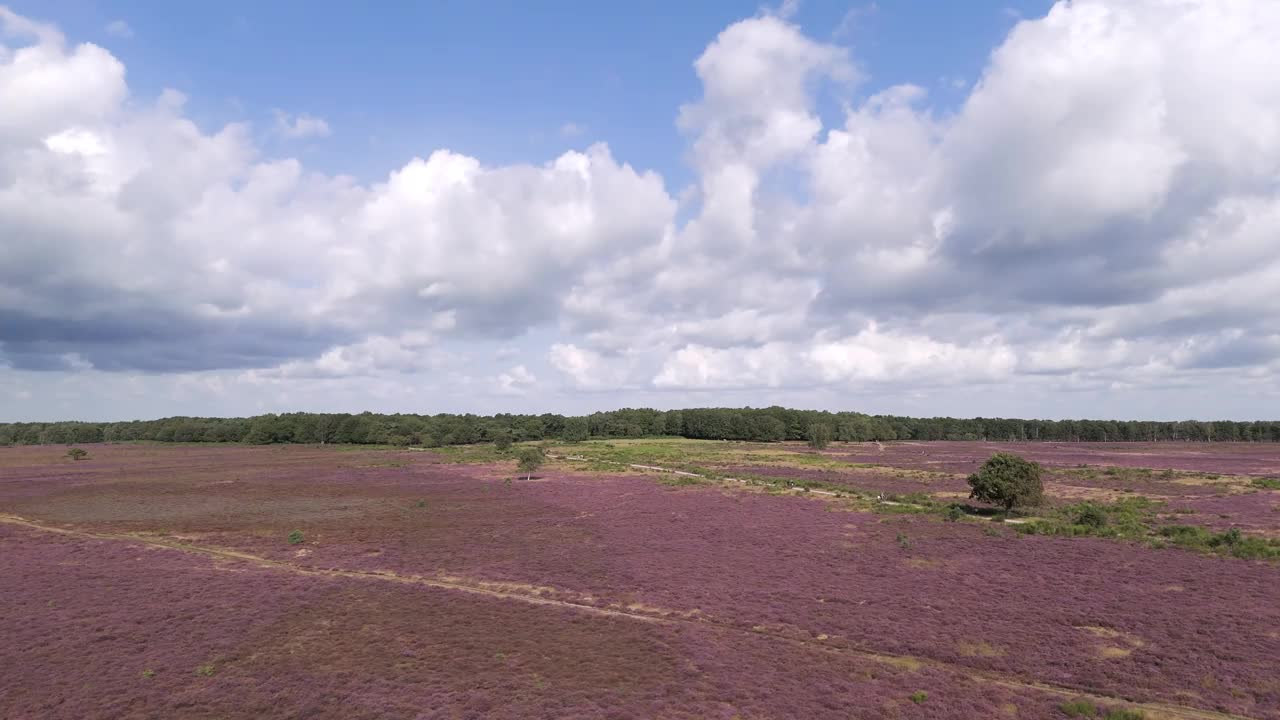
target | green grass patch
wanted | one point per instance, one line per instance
(682, 480)
(1079, 709)
(1230, 542)
(478, 453)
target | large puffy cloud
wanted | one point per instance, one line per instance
(140, 241)
(1100, 213)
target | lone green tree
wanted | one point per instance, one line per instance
(529, 460)
(77, 454)
(819, 435)
(1008, 481)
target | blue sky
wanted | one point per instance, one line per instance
(497, 80)
(234, 208)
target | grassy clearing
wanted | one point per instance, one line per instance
(705, 455)
(1136, 477)
(1230, 542)
(469, 454)
(1133, 518)
(1136, 519)
(676, 454)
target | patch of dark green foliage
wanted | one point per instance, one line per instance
(1229, 542)
(819, 435)
(1008, 481)
(1136, 519)
(1079, 708)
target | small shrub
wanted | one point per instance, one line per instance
(77, 453)
(529, 460)
(992, 532)
(1229, 538)
(954, 513)
(295, 537)
(1124, 714)
(148, 673)
(205, 670)
(918, 697)
(1266, 483)
(1091, 516)
(1079, 708)
(421, 503)
(904, 542)
(502, 440)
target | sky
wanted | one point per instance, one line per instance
(1028, 209)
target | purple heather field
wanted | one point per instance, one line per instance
(158, 581)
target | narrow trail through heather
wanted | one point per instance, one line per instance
(512, 591)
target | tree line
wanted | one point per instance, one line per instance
(772, 424)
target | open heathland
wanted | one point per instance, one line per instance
(333, 581)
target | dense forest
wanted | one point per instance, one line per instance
(764, 424)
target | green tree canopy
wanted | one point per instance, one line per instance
(819, 435)
(1008, 481)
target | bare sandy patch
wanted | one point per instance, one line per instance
(1079, 492)
(979, 649)
(1121, 645)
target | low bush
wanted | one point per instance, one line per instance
(295, 537)
(1266, 483)
(1124, 714)
(529, 459)
(1230, 542)
(918, 697)
(1079, 708)
(1091, 516)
